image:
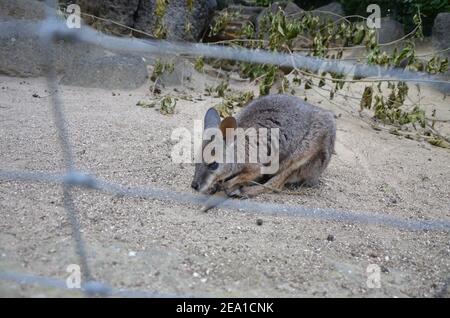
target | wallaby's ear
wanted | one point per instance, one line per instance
(229, 122)
(212, 119)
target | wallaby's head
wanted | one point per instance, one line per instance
(210, 172)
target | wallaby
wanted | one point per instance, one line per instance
(307, 135)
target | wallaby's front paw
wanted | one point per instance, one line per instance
(233, 193)
(231, 189)
(248, 192)
(237, 193)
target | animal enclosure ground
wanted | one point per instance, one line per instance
(169, 247)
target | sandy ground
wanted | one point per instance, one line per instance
(164, 246)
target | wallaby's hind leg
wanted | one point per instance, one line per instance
(308, 175)
(277, 182)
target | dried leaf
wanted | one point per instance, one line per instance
(439, 142)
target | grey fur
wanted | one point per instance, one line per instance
(307, 137)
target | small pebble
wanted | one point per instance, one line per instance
(259, 222)
(384, 269)
(330, 238)
(131, 253)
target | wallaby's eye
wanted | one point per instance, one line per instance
(213, 166)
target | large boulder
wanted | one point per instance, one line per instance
(390, 30)
(112, 12)
(332, 11)
(441, 32)
(240, 17)
(290, 9)
(11, 10)
(179, 20)
(23, 54)
(183, 23)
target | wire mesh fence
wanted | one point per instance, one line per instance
(52, 29)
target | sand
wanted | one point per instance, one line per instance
(144, 244)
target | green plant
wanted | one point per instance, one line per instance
(160, 11)
(233, 100)
(190, 5)
(221, 88)
(390, 109)
(160, 67)
(327, 39)
(199, 64)
(264, 3)
(167, 105)
(146, 104)
(221, 21)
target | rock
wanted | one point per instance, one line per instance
(290, 9)
(332, 11)
(222, 4)
(178, 16)
(111, 72)
(390, 30)
(82, 64)
(246, 12)
(240, 17)
(23, 55)
(179, 21)
(11, 10)
(120, 11)
(440, 33)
